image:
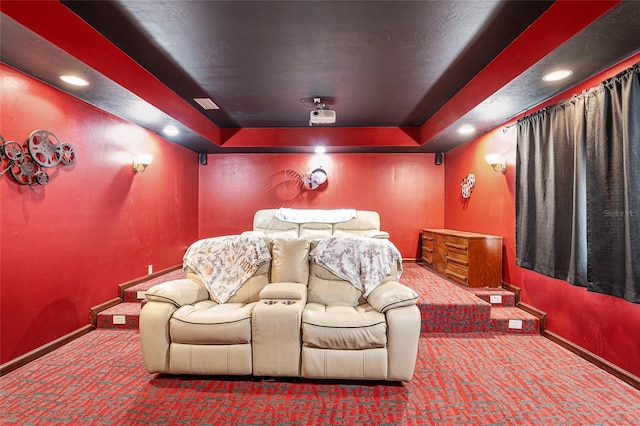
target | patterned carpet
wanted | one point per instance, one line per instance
(474, 378)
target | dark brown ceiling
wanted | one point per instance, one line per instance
(428, 65)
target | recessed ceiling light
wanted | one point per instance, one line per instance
(72, 79)
(206, 103)
(557, 75)
(320, 150)
(466, 129)
(170, 130)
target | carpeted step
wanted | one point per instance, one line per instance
(512, 320)
(136, 292)
(122, 316)
(495, 296)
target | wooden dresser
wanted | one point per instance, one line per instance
(474, 260)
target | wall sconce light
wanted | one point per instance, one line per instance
(141, 161)
(497, 162)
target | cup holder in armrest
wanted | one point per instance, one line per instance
(273, 302)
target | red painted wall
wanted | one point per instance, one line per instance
(607, 326)
(95, 225)
(405, 189)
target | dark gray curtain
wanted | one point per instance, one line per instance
(613, 185)
(578, 189)
(550, 193)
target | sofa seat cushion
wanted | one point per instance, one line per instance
(208, 323)
(343, 327)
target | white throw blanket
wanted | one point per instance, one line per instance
(315, 215)
(224, 264)
(364, 262)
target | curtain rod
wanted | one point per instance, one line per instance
(505, 129)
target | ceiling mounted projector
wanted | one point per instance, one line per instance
(322, 114)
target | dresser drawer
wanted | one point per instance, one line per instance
(455, 242)
(427, 240)
(460, 257)
(457, 269)
(439, 266)
(427, 255)
(458, 272)
(462, 279)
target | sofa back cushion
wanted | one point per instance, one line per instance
(266, 222)
(366, 221)
(290, 260)
(315, 230)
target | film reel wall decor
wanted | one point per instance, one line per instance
(27, 163)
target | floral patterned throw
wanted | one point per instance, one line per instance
(364, 262)
(224, 264)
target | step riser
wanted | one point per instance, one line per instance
(498, 299)
(133, 296)
(131, 322)
(501, 326)
(453, 318)
(514, 326)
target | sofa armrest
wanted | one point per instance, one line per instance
(377, 234)
(179, 292)
(290, 291)
(391, 295)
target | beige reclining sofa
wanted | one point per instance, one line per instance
(293, 317)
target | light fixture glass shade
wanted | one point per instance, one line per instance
(141, 161)
(493, 159)
(497, 161)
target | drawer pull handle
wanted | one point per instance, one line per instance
(458, 246)
(458, 276)
(459, 261)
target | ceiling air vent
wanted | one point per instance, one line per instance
(206, 103)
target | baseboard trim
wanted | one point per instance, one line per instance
(43, 350)
(122, 287)
(594, 359)
(513, 289)
(542, 316)
(95, 310)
